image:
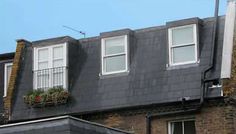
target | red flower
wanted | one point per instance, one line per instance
(37, 98)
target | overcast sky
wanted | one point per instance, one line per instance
(40, 19)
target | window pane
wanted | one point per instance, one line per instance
(43, 54)
(176, 128)
(116, 63)
(42, 80)
(114, 46)
(42, 65)
(57, 52)
(182, 35)
(58, 79)
(189, 127)
(8, 73)
(58, 63)
(183, 54)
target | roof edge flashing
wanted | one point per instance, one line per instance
(61, 118)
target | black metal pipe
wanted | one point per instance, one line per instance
(212, 61)
(148, 124)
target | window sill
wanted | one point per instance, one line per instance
(182, 66)
(104, 76)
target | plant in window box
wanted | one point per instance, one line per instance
(33, 97)
(40, 98)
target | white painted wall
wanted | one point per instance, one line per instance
(230, 25)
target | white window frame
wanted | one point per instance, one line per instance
(195, 43)
(125, 37)
(182, 121)
(50, 62)
(6, 65)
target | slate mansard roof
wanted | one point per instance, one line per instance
(7, 56)
(149, 80)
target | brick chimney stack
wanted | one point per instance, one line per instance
(21, 43)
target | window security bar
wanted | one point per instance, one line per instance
(49, 78)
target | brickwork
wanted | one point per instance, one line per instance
(215, 120)
(13, 77)
(132, 123)
(210, 120)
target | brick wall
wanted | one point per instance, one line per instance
(134, 123)
(210, 120)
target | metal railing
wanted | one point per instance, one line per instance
(49, 78)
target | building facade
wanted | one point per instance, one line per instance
(178, 78)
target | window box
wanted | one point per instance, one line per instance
(51, 97)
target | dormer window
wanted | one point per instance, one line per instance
(183, 45)
(50, 66)
(114, 55)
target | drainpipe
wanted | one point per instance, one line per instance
(148, 123)
(212, 61)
